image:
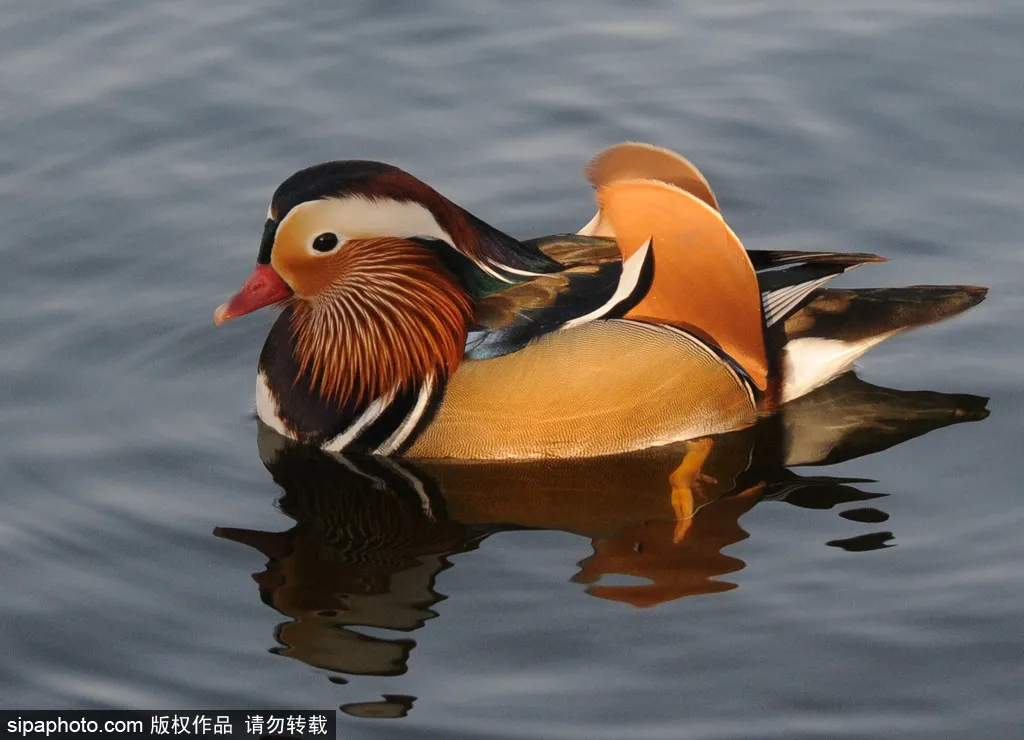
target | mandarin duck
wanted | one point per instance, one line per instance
(410, 327)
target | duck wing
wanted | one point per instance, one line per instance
(787, 279)
(703, 281)
(596, 283)
(633, 160)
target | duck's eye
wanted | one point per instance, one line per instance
(325, 242)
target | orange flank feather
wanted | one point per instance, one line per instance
(386, 316)
(703, 279)
(601, 388)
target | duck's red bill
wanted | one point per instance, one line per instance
(263, 288)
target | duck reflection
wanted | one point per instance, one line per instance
(372, 534)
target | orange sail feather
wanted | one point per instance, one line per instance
(703, 279)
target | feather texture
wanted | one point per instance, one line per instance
(390, 317)
(601, 388)
(634, 160)
(507, 321)
(703, 280)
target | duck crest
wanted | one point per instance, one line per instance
(370, 351)
(384, 193)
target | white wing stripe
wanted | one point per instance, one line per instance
(632, 268)
(778, 303)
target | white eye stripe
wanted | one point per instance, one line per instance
(360, 217)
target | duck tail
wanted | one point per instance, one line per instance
(826, 336)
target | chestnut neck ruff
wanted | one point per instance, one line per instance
(393, 318)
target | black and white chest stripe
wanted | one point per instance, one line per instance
(401, 424)
(388, 425)
(287, 400)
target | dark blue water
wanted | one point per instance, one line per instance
(139, 146)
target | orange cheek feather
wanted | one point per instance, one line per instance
(306, 273)
(376, 315)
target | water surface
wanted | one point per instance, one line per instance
(140, 145)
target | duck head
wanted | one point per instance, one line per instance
(322, 210)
